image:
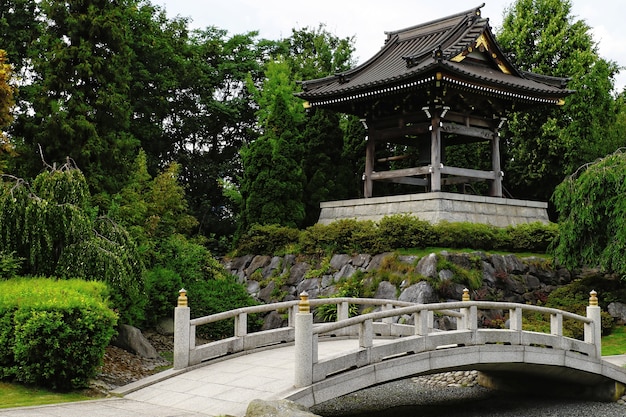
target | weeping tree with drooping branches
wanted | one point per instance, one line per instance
(592, 215)
(50, 225)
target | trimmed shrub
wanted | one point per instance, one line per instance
(532, 237)
(53, 333)
(341, 236)
(267, 239)
(403, 231)
(469, 235)
(395, 232)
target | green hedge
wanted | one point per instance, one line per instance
(395, 232)
(53, 333)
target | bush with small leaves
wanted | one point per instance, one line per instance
(53, 333)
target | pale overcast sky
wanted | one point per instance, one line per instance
(368, 20)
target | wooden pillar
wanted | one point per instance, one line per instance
(435, 153)
(496, 185)
(370, 155)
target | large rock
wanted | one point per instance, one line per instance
(132, 340)
(617, 310)
(297, 272)
(421, 293)
(386, 290)
(238, 264)
(338, 261)
(279, 408)
(258, 262)
(427, 266)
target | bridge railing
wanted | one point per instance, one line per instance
(186, 353)
(384, 323)
(424, 338)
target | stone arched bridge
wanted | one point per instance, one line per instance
(378, 349)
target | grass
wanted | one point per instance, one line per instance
(16, 395)
(429, 250)
(615, 343)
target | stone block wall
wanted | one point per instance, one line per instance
(437, 207)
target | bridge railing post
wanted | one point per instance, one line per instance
(366, 334)
(387, 307)
(343, 311)
(515, 319)
(304, 346)
(470, 315)
(241, 325)
(182, 336)
(423, 322)
(556, 324)
(593, 330)
(291, 319)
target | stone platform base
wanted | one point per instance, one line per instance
(437, 207)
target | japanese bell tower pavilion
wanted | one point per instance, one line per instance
(434, 85)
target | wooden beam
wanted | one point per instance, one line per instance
(469, 173)
(390, 134)
(370, 156)
(397, 173)
(496, 186)
(459, 180)
(435, 153)
(423, 182)
(393, 158)
(469, 120)
(474, 132)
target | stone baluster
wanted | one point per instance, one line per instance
(470, 314)
(304, 344)
(241, 325)
(593, 330)
(182, 336)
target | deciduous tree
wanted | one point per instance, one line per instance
(544, 145)
(592, 215)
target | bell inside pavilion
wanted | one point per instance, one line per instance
(431, 87)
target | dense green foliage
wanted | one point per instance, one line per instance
(182, 263)
(52, 227)
(395, 232)
(544, 145)
(574, 297)
(53, 333)
(296, 162)
(592, 215)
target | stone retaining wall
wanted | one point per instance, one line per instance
(504, 278)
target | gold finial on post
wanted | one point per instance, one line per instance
(303, 305)
(593, 298)
(466, 296)
(182, 298)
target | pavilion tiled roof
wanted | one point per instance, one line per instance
(412, 56)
